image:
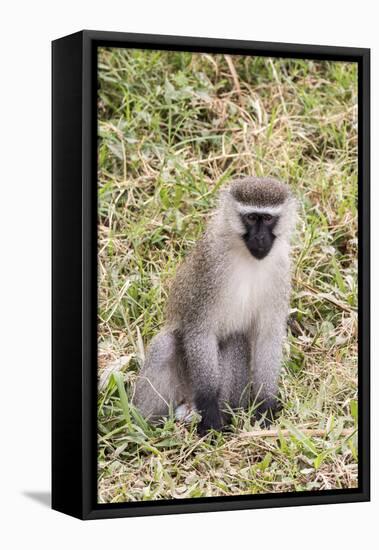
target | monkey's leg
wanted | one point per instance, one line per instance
(235, 355)
(266, 364)
(202, 364)
(160, 382)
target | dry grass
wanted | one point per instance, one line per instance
(173, 128)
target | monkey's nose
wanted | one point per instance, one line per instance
(260, 238)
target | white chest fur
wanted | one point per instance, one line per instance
(249, 283)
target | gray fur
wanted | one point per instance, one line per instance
(226, 314)
(259, 191)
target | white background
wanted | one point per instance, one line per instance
(26, 31)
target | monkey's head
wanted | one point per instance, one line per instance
(259, 210)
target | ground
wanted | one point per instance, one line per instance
(173, 128)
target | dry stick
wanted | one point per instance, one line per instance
(219, 157)
(327, 298)
(276, 77)
(285, 433)
(234, 74)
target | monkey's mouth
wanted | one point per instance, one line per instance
(258, 252)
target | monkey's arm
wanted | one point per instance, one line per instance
(267, 359)
(201, 351)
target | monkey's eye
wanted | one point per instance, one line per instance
(267, 218)
(252, 218)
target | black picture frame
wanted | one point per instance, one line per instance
(74, 273)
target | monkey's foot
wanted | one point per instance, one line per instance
(211, 420)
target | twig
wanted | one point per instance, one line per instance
(276, 77)
(325, 296)
(220, 157)
(234, 74)
(285, 433)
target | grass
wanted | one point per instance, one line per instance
(174, 127)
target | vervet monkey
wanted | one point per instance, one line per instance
(227, 311)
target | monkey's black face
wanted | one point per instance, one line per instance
(259, 236)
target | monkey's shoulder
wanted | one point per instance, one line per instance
(196, 283)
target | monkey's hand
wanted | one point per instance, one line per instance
(267, 412)
(211, 418)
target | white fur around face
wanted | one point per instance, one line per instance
(250, 209)
(231, 210)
